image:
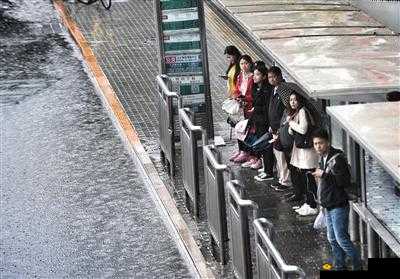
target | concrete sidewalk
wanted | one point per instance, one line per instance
(123, 41)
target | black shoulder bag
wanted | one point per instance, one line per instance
(305, 141)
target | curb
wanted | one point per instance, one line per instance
(134, 145)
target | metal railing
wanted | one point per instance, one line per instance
(269, 262)
(215, 199)
(166, 121)
(190, 158)
(373, 234)
(354, 224)
(239, 231)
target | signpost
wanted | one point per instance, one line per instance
(183, 53)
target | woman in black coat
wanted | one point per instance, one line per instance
(261, 96)
(258, 121)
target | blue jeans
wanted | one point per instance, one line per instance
(337, 221)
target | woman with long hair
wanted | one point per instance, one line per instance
(304, 159)
(258, 121)
(244, 95)
(233, 56)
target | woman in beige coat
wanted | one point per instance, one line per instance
(304, 159)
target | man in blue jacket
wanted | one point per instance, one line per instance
(334, 175)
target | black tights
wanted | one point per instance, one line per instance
(242, 146)
(304, 185)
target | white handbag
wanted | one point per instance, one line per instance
(241, 129)
(320, 220)
(231, 106)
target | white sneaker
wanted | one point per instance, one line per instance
(309, 211)
(261, 170)
(301, 208)
(263, 177)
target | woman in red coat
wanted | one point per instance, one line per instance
(244, 85)
(244, 94)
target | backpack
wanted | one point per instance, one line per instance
(352, 188)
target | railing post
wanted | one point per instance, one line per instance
(190, 158)
(353, 224)
(215, 199)
(166, 121)
(270, 263)
(384, 249)
(239, 233)
(362, 238)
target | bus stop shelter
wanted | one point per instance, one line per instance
(332, 50)
(336, 53)
(376, 128)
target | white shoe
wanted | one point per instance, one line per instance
(261, 170)
(309, 211)
(263, 177)
(301, 208)
(296, 207)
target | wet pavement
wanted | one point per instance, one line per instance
(124, 44)
(72, 202)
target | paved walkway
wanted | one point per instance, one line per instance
(73, 204)
(124, 43)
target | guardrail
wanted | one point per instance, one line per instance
(166, 122)
(374, 235)
(239, 231)
(215, 199)
(190, 158)
(269, 262)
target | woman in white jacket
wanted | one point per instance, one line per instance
(304, 159)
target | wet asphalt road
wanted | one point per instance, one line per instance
(72, 203)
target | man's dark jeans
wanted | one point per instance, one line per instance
(337, 221)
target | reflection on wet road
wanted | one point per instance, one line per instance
(72, 203)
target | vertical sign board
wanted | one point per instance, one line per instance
(183, 53)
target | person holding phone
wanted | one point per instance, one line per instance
(334, 176)
(233, 56)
